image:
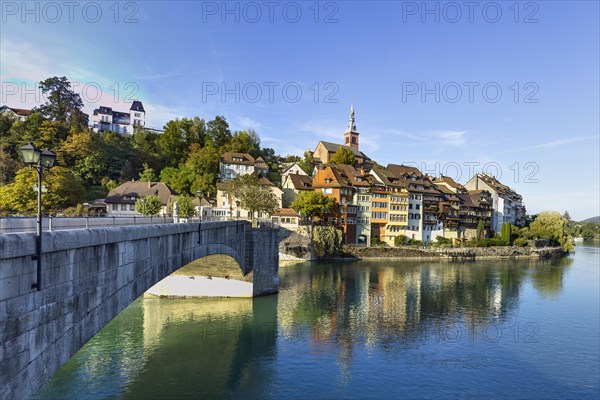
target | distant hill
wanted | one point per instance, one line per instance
(593, 220)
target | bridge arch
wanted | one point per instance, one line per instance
(91, 275)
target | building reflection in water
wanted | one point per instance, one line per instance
(385, 305)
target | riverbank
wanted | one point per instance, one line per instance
(450, 254)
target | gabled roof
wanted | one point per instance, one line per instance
(449, 181)
(498, 186)
(290, 166)
(301, 182)
(138, 189)
(285, 212)
(400, 170)
(19, 111)
(333, 147)
(240, 158)
(137, 106)
(466, 200)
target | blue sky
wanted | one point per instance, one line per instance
(424, 79)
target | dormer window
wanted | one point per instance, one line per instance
(328, 180)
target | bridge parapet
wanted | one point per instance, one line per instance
(89, 276)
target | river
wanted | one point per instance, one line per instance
(360, 330)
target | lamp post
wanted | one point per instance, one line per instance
(237, 210)
(39, 160)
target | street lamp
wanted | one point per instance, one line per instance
(39, 160)
(237, 209)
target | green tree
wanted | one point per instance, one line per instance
(63, 190)
(185, 205)
(61, 102)
(149, 205)
(312, 204)
(8, 167)
(252, 195)
(178, 179)
(506, 231)
(307, 163)
(148, 174)
(243, 142)
(480, 230)
(217, 131)
(172, 144)
(343, 155)
(552, 227)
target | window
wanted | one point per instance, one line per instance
(132, 207)
(410, 207)
(351, 210)
(327, 190)
(364, 208)
(115, 207)
(378, 215)
(123, 207)
(417, 206)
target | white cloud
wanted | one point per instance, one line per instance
(450, 138)
(243, 123)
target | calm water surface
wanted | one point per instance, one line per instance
(363, 330)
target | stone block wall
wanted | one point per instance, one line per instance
(89, 276)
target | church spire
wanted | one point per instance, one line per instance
(351, 122)
(351, 135)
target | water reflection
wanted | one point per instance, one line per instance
(398, 302)
(359, 330)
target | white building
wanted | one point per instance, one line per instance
(107, 119)
(293, 168)
(233, 165)
(16, 113)
(120, 201)
(507, 205)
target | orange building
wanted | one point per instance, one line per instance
(339, 182)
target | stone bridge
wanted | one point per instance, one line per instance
(91, 275)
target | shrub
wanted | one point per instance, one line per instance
(327, 241)
(414, 242)
(494, 241)
(521, 242)
(400, 240)
(443, 241)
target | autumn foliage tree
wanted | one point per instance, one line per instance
(63, 190)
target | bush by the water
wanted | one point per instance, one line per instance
(521, 242)
(400, 240)
(327, 241)
(494, 241)
(443, 242)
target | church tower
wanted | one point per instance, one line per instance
(351, 135)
